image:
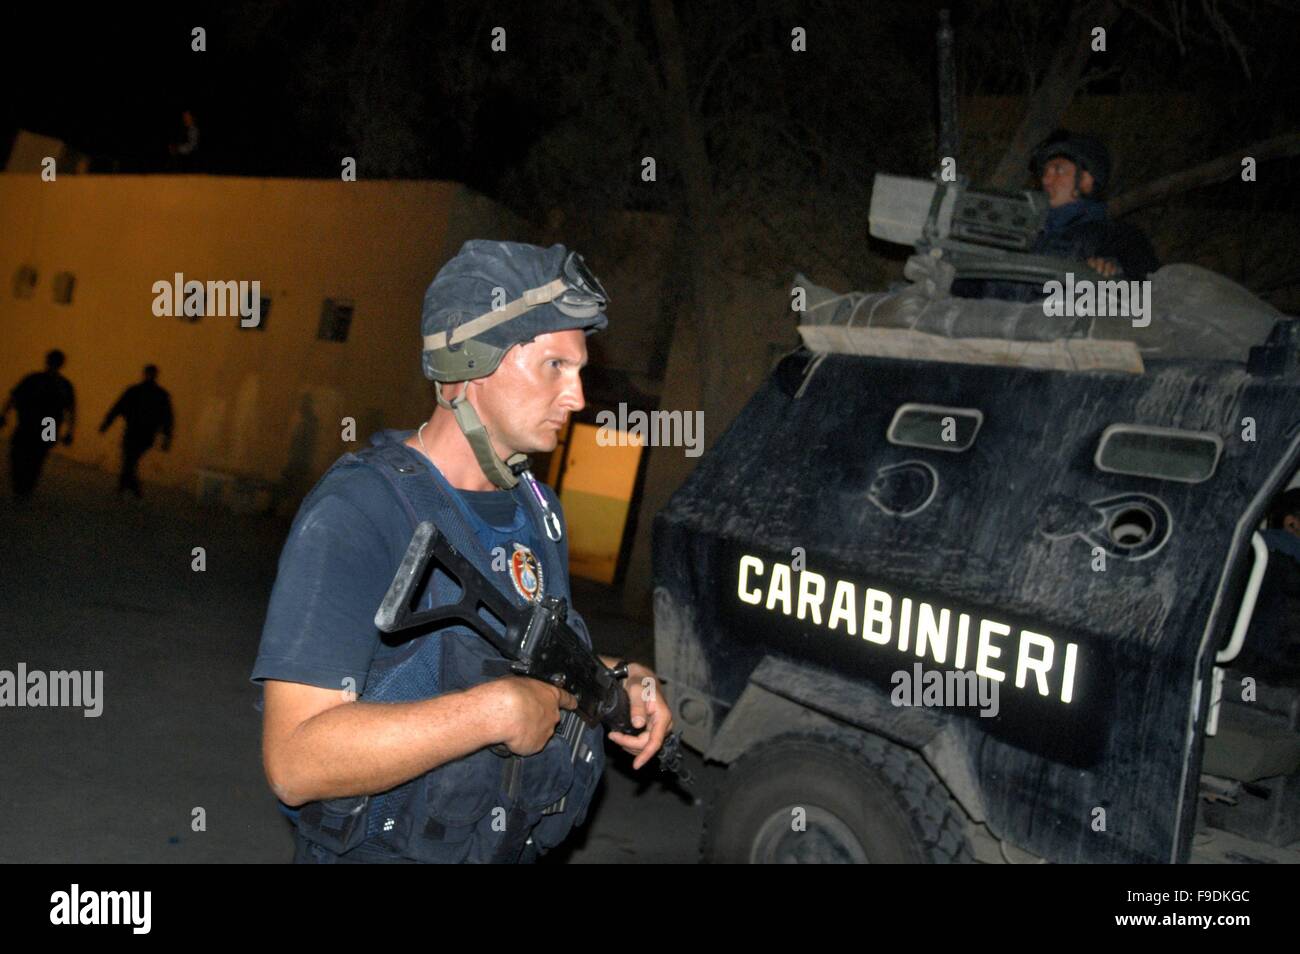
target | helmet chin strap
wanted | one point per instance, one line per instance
(501, 473)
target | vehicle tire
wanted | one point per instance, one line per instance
(863, 799)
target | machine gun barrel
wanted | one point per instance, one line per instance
(948, 135)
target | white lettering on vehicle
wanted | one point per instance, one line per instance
(1039, 662)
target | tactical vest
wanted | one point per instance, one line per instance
(483, 807)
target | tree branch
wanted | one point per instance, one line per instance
(1215, 170)
(1054, 94)
(654, 82)
(692, 157)
(735, 34)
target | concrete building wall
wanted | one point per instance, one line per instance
(256, 402)
(269, 404)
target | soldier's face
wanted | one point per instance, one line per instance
(1058, 181)
(527, 400)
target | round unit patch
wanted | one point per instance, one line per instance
(526, 573)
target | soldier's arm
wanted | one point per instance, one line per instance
(10, 402)
(318, 743)
(113, 413)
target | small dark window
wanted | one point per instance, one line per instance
(24, 282)
(1160, 452)
(335, 320)
(64, 283)
(264, 310)
(937, 428)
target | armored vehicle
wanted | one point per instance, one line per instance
(974, 579)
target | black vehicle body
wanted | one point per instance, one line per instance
(1136, 582)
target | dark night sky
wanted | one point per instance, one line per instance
(287, 87)
(104, 80)
(111, 82)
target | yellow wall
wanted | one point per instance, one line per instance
(238, 395)
(596, 492)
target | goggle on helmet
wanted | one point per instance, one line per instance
(458, 355)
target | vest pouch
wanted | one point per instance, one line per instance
(460, 811)
(338, 824)
(448, 805)
(541, 780)
(545, 776)
(584, 774)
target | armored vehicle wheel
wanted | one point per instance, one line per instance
(802, 799)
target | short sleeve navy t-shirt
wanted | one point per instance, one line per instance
(336, 566)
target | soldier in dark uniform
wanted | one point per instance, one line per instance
(147, 410)
(430, 751)
(41, 400)
(1074, 171)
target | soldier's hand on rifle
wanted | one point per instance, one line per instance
(649, 708)
(532, 711)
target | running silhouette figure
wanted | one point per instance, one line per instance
(147, 409)
(41, 400)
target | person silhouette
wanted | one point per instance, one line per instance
(183, 158)
(41, 399)
(147, 409)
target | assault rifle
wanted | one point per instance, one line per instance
(536, 640)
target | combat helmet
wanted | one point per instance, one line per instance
(489, 298)
(1085, 151)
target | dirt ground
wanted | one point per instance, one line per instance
(89, 581)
